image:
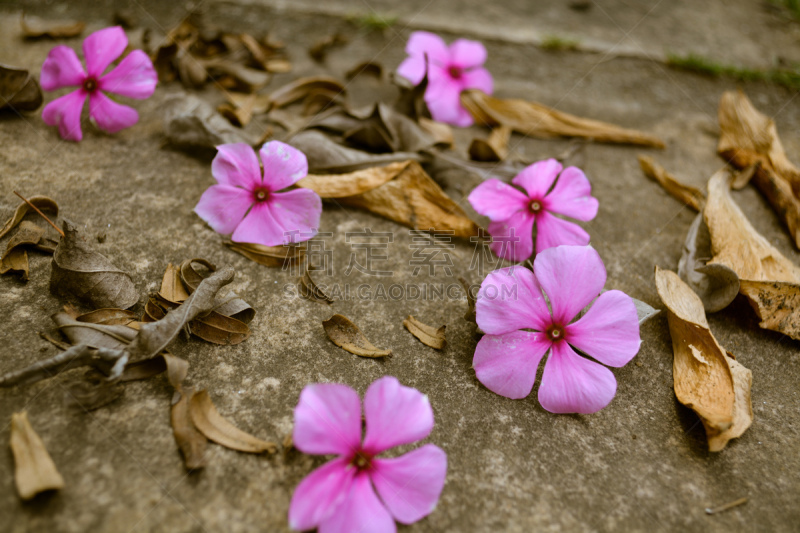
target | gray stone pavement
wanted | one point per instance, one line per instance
(639, 465)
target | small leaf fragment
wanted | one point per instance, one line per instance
(343, 333)
(309, 290)
(644, 311)
(191, 122)
(35, 470)
(207, 419)
(492, 149)
(172, 289)
(19, 90)
(429, 335)
(707, 379)
(302, 88)
(686, 194)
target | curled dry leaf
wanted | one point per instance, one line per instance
(43, 203)
(110, 317)
(322, 46)
(769, 280)
(191, 442)
(112, 336)
(311, 291)
(271, 256)
(707, 379)
(429, 335)
(686, 194)
(15, 258)
(441, 133)
(536, 120)
(750, 139)
(365, 68)
(78, 271)
(492, 149)
(326, 156)
(191, 122)
(19, 90)
(301, 88)
(36, 28)
(215, 427)
(716, 284)
(227, 305)
(346, 335)
(402, 192)
(35, 470)
(172, 289)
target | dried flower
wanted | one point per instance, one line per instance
(512, 308)
(450, 71)
(134, 77)
(246, 203)
(513, 213)
(339, 496)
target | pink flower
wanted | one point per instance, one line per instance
(134, 77)
(513, 213)
(450, 71)
(339, 496)
(248, 205)
(512, 308)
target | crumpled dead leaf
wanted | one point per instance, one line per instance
(716, 285)
(750, 139)
(326, 156)
(537, 120)
(343, 333)
(78, 271)
(36, 28)
(707, 379)
(15, 258)
(492, 149)
(303, 88)
(685, 194)
(319, 50)
(191, 122)
(311, 291)
(215, 427)
(19, 90)
(428, 335)
(271, 256)
(402, 192)
(43, 203)
(191, 442)
(35, 470)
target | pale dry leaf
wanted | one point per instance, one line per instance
(36, 28)
(706, 379)
(686, 194)
(536, 120)
(343, 333)
(34, 469)
(215, 427)
(428, 335)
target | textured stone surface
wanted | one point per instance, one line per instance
(640, 464)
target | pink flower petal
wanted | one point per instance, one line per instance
(134, 77)
(510, 299)
(538, 178)
(443, 98)
(223, 207)
(609, 331)
(327, 420)
(361, 511)
(422, 43)
(497, 200)
(320, 494)
(65, 112)
(512, 239)
(260, 227)
(395, 415)
(284, 165)
(413, 69)
(467, 54)
(506, 364)
(552, 231)
(236, 165)
(102, 47)
(297, 212)
(410, 485)
(571, 276)
(573, 384)
(572, 196)
(478, 78)
(110, 116)
(62, 68)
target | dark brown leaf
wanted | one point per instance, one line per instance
(228, 305)
(35, 470)
(207, 419)
(494, 148)
(301, 88)
(15, 258)
(36, 28)
(43, 203)
(78, 271)
(429, 335)
(191, 442)
(219, 329)
(172, 289)
(309, 290)
(346, 335)
(19, 90)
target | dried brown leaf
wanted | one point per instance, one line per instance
(309, 290)
(235, 76)
(402, 192)
(322, 46)
(299, 89)
(346, 335)
(494, 148)
(239, 109)
(365, 68)
(469, 316)
(429, 335)
(228, 305)
(191, 122)
(271, 256)
(326, 156)
(706, 378)
(19, 90)
(15, 258)
(219, 329)
(43, 203)
(92, 395)
(115, 337)
(110, 317)
(686, 194)
(207, 419)
(535, 120)
(35, 470)
(441, 133)
(172, 289)
(36, 28)
(191, 442)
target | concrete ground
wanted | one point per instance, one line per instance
(641, 464)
